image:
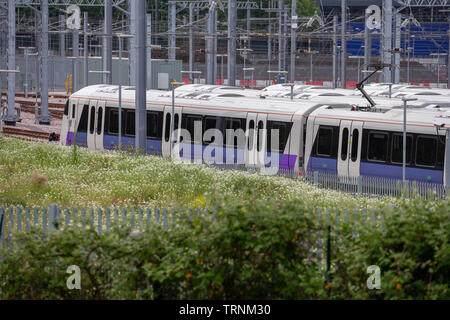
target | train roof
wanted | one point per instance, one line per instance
(423, 117)
(281, 107)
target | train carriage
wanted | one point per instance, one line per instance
(320, 135)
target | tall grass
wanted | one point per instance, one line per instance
(43, 173)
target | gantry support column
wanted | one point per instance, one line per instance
(231, 65)
(293, 39)
(10, 117)
(210, 54)
(367, 43)
(172, 29)
(281, 24)
(387, 39)
(132, 43)
(141, 77)
(343, 44)
(149, 49)
(191, 42)
(335, 57)
(62, 36)
(448, 58)
(398, 33)
(107, 43)
(45, 117)
(86, 48)
(75, 54)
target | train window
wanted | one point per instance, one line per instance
(177, 121)
(426, 151)
(211, 123)
(82, 125)
(397, 148)
(440, 152)
(284, 129)
(66, 108)
(112, 121)
(167, 131)
(259, 136)
(188, 123)
(99, 121)
(355, 142)
(234, 124)
(154, 125)
(344, 146)
(324, 142)
(251, 129)
(130, 123)
(73, 111)
(378, 147)
(92, 123)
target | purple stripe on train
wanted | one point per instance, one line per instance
(395, 172)
(69, 139)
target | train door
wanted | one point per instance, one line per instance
(91, 130)
(349, 151)
(99, 125)
(354, 162)
(250, 140)
(261, 138)
(167, 129)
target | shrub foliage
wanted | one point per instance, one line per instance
(255, 250)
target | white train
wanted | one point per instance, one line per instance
(335, 137)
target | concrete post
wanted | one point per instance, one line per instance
(45, 117)
(132, 43)
(387, 39)
(107, 43)
(191, 42)
(62, 36)
(75, 54)
(343, 44)
(293, 39)
(172, 30)
(10, 117)
(231, 64)
(335, 56)
(86, 48)
(141, 78)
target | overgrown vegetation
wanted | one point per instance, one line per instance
(257, 249)
(42, 174)
(266, 240)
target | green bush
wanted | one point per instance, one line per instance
(411, 247)
(255, 250)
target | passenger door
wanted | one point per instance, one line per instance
(99, 125)
(261, 138)
(91, 130)
(167, 129)
(354, 163)
(349, 151)
(250, 140)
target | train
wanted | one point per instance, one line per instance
(331, 135)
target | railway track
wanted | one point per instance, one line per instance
(25, 133)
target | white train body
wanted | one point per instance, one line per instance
(322, 134)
